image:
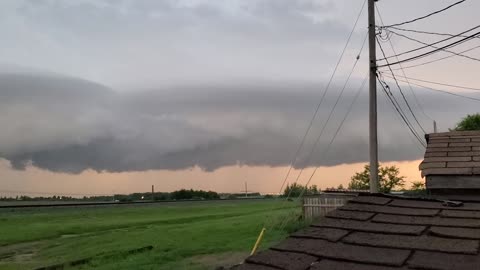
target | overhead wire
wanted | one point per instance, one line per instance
(438, 83)
(317, 140)
(414, 139)
(428, 45)
(403, 95)
(438, 90)
(341, 123)
(332, 140)
(428, 15)
(425, 32)
(417, 102)
(436, 60)
(390, 96)
(435, 47)
(456, 43)
(312, 120)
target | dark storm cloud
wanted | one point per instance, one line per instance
(70, 125)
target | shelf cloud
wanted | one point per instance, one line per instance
(66, 124)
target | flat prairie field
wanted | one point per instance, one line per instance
(179, 235)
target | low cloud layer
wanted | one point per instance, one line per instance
(70, 125)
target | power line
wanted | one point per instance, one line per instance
(317, 140)
(397, 105)
(426, 16)
(426, 32)
(398, 108)
(417, 102)
(401, 92)
(439, 90)
(357, 94)
(438, 83)
(428, 45)
(439, 59)
(312, 120)
(412, 137)
(433, 51)
(435, 47)
(319, 104)
(391, 98)
(341, 123)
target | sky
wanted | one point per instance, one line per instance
(103, 96)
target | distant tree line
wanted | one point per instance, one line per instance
(56, 198)
(183, 194)
(241, 195)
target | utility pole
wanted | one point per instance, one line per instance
(373, 98)
(153, 193)
(246, 190)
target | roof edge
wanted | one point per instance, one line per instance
(454, 133)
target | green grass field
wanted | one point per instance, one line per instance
(185, 235)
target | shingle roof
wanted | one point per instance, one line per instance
(377, 232)
(452, 153)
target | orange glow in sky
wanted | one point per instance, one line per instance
(227, 179)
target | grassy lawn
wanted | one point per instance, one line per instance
(187, 235)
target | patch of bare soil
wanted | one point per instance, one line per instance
(18, 252)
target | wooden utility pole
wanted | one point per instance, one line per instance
(153, 193)
(373, 98)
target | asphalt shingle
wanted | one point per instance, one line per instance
(369, 227)
(436, 221)
(335, 265)
(460, 214)
(450, 232)
(366, 234)
(321, 248)
(390, 210)
(350, 215)
(329, 234)
(413, 242)
(283, 260)
(434, 205)
(443, 261)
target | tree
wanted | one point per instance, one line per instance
(313, 189)
(294, 190)
(417, 189)
(388, 178)
(470, 122)
(418, 186)
(185, 194)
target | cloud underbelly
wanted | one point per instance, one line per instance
(69, 125)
